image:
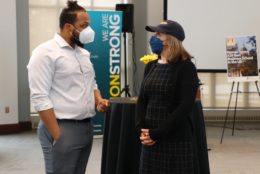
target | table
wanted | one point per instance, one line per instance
(121, 144)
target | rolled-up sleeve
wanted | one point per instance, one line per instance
(95, 86)
(40, 74)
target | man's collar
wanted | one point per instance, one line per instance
(61, 41)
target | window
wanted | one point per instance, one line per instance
(44, 16)
(216, 92)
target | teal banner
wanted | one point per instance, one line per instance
(106, 56)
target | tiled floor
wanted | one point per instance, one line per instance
(239, 154)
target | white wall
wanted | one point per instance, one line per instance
(207, 24)
(155, 12)
(154, 16)
(8, 63)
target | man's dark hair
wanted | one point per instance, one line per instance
(69, 13)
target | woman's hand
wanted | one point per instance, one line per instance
(145, 138)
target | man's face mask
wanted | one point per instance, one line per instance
(85, 36)
(156, 45)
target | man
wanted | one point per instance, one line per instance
(64, 92)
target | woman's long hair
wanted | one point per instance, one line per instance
(174, 50)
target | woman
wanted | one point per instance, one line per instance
(165, 104)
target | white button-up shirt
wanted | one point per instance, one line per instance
(62, 78)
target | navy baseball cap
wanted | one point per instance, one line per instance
(168, 27)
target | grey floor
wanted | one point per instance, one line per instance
(239, 154)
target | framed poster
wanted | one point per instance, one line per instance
(241, 59)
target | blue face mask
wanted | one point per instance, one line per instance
(156, 45)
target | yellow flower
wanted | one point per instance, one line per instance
(148, 58)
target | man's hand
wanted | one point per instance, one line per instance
(50, 122)
(102, 105)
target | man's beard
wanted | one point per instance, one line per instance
(77, 42)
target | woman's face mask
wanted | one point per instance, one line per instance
(156, 45)
(86, 36)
